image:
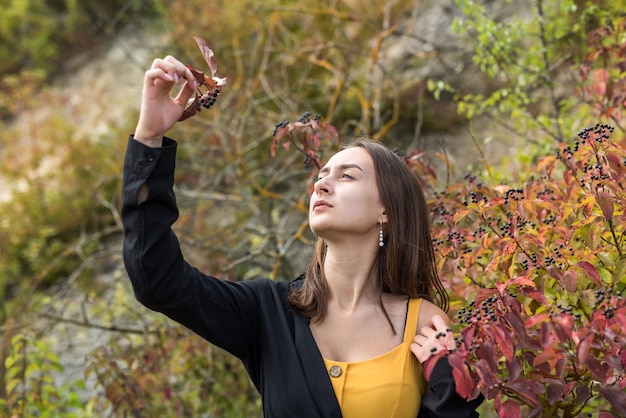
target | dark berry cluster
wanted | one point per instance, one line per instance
(306, 117)
(568, 310)
(513, 194)
(600, 131)
(597, 133)
(279, 125)
(209, 98)
(488, 311)
(608, 301)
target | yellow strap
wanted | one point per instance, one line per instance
(412, 317)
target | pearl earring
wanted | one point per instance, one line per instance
(381, 243)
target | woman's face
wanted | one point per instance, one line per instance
(345, 200)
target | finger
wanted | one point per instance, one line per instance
(183, 96)
(177, 70)
(422, 353)
(444, 334)
(420, 340)
(427, 331)
(440, 324)
(154, 74)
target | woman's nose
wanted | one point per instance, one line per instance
(322, 185)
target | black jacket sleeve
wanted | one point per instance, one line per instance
(222, 312)
(441, 399)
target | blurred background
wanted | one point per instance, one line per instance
(469, 86)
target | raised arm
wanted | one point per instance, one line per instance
(224, 313)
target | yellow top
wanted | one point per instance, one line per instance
(390, 385)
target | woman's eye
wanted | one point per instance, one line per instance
(346, 175)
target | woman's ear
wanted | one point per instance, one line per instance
(383, 217)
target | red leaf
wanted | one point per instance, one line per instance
(555, 392)
(599, 371)
(535, 295)
(486, 351)
(486, 373)
(570, 279)
(515, 368)
(563, 325)
(615, 396)
(527, 390)
(504, 339)
(582, 393)
(429, 364)
(591, 272)
(523, 281)
(462, 377)
(582, 349)
(606, 204)
(516, 322)
(559, 367)
(208, 54)
(534, 320)
(509, 409)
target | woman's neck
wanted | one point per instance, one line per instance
(348, 271)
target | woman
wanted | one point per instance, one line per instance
(348, 337)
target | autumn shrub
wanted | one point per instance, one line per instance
(169, 372)
(542, 264)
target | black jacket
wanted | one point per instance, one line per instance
(250, 319)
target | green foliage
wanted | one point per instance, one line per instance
(533, 60)
(51, 226)
(29, 386)
(39, 37)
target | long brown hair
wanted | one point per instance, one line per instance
(406, 263)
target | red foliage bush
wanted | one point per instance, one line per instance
(543, 267)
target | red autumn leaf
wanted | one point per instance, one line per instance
(563, 325)
(486, 373)
(615, 396)
(570, 279)
(527, 390)
(462, 377)
(606, 204)
(559, 367)
(555, 392)
(537, 319)
(583, 393)
(429, 364)
(509, 409)
(515, 368)
(535, 295)
(600, 371)
(516, 322)
(504, 339)
(523, 281)
(582, 349)
(616, 165)
(487, 351)
(591, 272)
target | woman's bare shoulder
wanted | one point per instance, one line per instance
(427, 311)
